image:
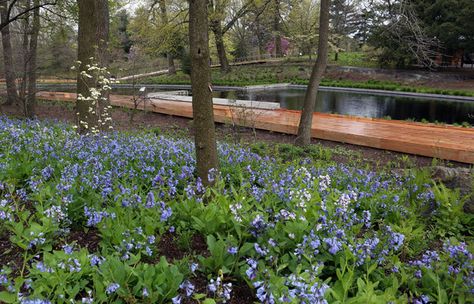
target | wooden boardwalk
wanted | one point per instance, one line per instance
(444, 142)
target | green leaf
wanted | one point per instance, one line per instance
(6, 297)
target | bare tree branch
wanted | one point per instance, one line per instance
(22, 13)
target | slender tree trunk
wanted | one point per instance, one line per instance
(304, 129)
(10, 75)
(26, 58)
(276, 29)
(31, 98)
(171, 66)
(164, 21)
(259, 37)
(203, 123)
(219, 37)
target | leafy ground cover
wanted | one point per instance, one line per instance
(299, 73)
(122, 218)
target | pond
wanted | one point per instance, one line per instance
(366, 104)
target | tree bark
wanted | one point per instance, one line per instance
(10, 75)
(26, 58)
(164, 21)
(276, 29)
(31, 97)
(171, 66)
(203, 115)
(103, 55)
(219, 37)
(304, 130)
(86, 41)
(92, 48)
(102, 32)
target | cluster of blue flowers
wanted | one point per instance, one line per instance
(279, 219)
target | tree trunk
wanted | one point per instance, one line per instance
(102, 32)
(304, 129)
(103, 55)
(223, 61)
(86, 41)
(26, 58)
(164, 21)
(171, 66)
(92, 43)
(31, 98)
(276, 29)
(10, 75)
(203, 115)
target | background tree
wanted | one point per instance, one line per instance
(451, 23)
(157, 35)
(304, 129)
(164, 22)
(10, 75)
(29, 31)
(15, 10)
(390, 33)
(220, 24)
(30, 108)
(277, 27)
(344, 17)
(203, 114)
(303, 22)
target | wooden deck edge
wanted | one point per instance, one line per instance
(225, 114)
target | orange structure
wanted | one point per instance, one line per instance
(445, 142)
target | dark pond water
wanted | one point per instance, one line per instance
(348, 103)
(376, 106)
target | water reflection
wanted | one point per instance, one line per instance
(347, 103)
(366, 105)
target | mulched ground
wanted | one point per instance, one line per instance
(10, 255)
(241, 292)
(89, 239)
(168, 247)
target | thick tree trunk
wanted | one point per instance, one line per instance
(103, 55)
(203, 123)
(31, 97)
(164, 21)
(102, 32)
(92, 43)
(10, 75)
(304, 129)
(87, 40)
(276, 29)
(218, 35)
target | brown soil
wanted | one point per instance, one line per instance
(344, 153)
(10, 255)
(241, 292)
(83, 239)
(169, 248)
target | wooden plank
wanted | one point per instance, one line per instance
(445, 142)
